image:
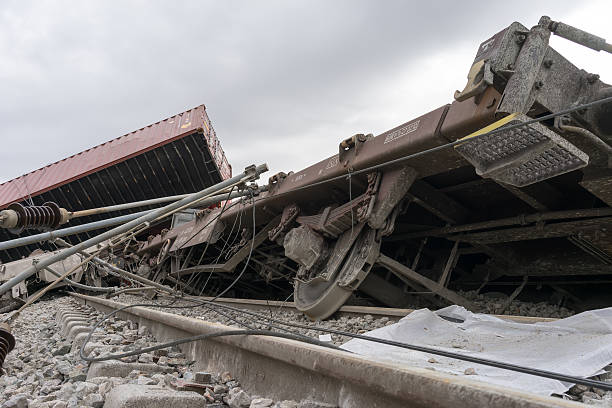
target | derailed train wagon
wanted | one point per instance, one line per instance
(96, 189)
(508, 186)
(177, 155)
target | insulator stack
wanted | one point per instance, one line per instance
(7, 342)
(46, 216)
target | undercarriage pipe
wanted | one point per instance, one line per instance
(110, 222)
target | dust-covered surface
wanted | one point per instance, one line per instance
(586, 338)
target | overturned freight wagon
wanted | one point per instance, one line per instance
(508, 187)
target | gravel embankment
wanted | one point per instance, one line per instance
(41, 372)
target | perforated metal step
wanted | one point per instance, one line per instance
(523, 155)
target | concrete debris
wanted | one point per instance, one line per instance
(203, 377)
(237, 398)
(94, 400)
(261, 403)
(151, 396)
(286, 404)
(113, 368)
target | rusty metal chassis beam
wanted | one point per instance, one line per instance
(509, 221)
(556, 230)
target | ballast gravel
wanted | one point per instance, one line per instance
(42, 372)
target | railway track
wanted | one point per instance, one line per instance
(287, 369)
(347, 311)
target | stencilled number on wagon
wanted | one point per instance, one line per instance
(403, 131)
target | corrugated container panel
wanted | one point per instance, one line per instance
(116, 151)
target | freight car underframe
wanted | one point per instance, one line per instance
(527, 205)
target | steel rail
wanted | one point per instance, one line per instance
(345, 311)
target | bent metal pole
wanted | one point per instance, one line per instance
(109, 222)
(136, 204)
(119, 271)
(249, 174)
(126, 206)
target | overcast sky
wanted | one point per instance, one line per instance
(283, 81)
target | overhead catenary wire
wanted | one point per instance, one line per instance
(105, 223)
(82, 286)
(214, 219)
(135, 224)
(246, 263)
(221, 252)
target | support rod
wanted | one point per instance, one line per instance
(250, 173)
(64, 232)
(434, 286)
(579, 36)
(110, 222)
(153, 201)
(125, 206)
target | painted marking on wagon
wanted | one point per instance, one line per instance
(403, 131)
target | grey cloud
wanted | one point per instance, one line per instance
(283, 81)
